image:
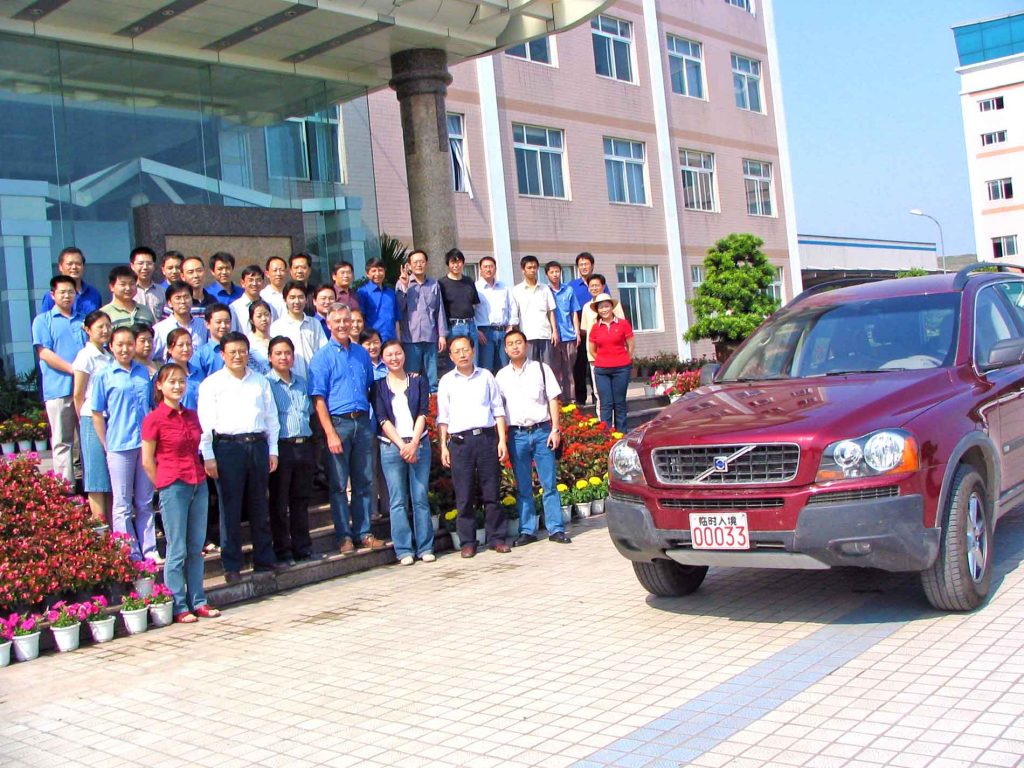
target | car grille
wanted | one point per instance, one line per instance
(768, 463)
(862, 494)
(629, 498)
(698, 504)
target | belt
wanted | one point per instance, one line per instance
(461, 319)
(389, 441)
(245, 437)
(353, 415)
(294, 440)
(492, 327)
(539, 425)
(467, 432)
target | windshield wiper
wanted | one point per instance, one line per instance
(865, 370)
(749, 379)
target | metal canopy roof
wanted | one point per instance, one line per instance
(347, 43)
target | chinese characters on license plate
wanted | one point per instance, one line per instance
(719, 531)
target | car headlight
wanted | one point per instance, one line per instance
(624, 463)
(885, 452)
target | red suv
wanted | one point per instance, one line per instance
(879, 425)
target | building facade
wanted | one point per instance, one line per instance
(991, 57)
(642, 137)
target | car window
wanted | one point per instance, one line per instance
(1013, 293)
(993, 321)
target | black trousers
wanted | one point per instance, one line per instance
(581, 371)
(475, 467)
(290, 488)
(242, 472)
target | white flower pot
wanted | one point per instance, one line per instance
(436, 520)
(26, 647)
(7, 448)
(513, 529)
(42, 445)
(102, 629)
(144, 586)
(136, 621)
(67, 638)
(566, 514)
(456, 542)
(161, 613)
(24, 446)
(5, 653)
(597, 507)
(481, 536)
(583, 509)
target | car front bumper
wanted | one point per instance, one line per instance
(881, 533)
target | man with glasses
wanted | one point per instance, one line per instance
(178, 298)
(147, 293)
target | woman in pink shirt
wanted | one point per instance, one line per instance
(611, 343)
(170, 456)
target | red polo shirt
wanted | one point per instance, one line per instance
(610, 343)
(176, 434)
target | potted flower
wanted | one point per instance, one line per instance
(22, 432)
(599, 487)
(7, 437)
(508, 504)
(135, 612)
(101, 625)
(143, 583)
(582, 497)
(6, 633)
(24, 629)
(66, 624)
(565, 498)
(161, 606)
(41, 435)
(449, 525)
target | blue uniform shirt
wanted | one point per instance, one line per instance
(208, 359)
(217, 292)
(195, 377)
(126, 396)
(380, 309)
(566, 305)
(63, 336)
(582, 293)
(342, 377)
(86, 301)
(293, 405)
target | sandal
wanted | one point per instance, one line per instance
(211, 549)
(207, 612)
(185, 617)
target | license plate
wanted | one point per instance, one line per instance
(719, 531)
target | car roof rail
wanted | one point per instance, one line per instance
(982, 266)
(832, 285)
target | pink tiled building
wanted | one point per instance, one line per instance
(643, 137)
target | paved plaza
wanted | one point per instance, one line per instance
(549, 656)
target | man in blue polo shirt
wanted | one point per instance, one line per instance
(378, 302)
(58, 337)
(562, 358)
(223, 290)
(581, 368)
(71, 263)
(340, 376)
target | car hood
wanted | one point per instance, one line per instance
(800, 410)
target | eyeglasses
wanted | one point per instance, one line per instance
(236, 352)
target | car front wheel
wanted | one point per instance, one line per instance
(666, 578)
(959, 579)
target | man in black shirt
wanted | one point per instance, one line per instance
(460, 298)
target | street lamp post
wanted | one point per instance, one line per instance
(942, 244)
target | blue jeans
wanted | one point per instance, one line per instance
(527, 448)
(183, 507)
(421, 357)
(612, 384)
(355, 461)
(132, 497)
(404, 481)
(465, 328)
(492, 352)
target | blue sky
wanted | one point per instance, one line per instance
(873, 112)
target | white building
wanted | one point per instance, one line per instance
(991, 54)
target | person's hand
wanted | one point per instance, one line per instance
(502, 450)
(442, 342)
(333, 442)
(554, 438)
(210, 465)
(446, 456)
(480, 337)
(273, 463)
(554, 338)
(408, 451)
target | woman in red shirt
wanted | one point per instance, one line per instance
(611, 343)
(170, 456)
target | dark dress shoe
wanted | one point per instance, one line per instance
(469, 550)
(274, 568)
(502, 547)
(560, 538)
(523, 539)
(232, 577)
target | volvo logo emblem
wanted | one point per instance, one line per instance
(721, 464)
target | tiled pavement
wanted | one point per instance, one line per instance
(549, 656)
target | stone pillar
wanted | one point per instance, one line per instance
(420, 79)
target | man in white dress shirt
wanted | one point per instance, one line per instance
(305, 332)
(495, 314)
(536, 309)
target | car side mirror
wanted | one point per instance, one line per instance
(707, 373)
(1005, 353)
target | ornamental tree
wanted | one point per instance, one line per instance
(733, 299)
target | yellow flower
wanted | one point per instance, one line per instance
(561, 487)
(617, 435)
(592, 422)
(451, 515)
(595, 481)
(605, 477)
(509, 501)
(581, 484)
(569, 408)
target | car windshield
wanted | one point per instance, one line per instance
(902, 333)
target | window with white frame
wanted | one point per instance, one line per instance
(994, 137)
(535, 50)
(613, 47)
(744, 4)
(305, 148)
(1004, 246)
(987, 105)
(457, 147)
(624, 171)
(698, 180)
(775, 289)
(686, 66)
(539, 158)
(696, 275)
(638, 294)
(746, 82)
(757, 180)
(1000, 189)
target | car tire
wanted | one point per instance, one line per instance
(960, 578)
(666, 578)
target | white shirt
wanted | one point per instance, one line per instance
(233, 406)
(240, 313)
(468, 402)
(152, 297)
(196, 329)
(404, 422)
(306, 334)
(91, 360)
(534, 305)
(526, 397)
(496, 307)
(275, 299)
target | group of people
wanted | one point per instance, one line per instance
(241, 389)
